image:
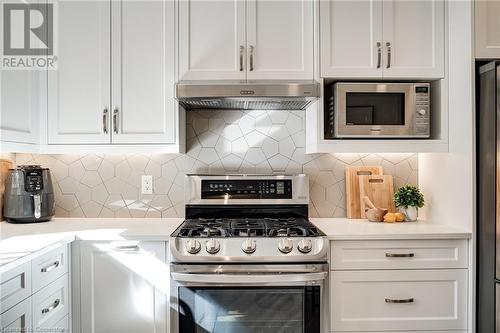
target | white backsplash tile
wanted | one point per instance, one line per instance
(217, 142)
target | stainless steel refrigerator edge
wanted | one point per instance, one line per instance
(488, 207)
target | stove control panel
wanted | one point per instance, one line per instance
(247, 189)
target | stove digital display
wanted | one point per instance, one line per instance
(246, 189)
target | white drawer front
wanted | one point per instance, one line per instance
(397, 254)
(48, 267)
(17, 318)
(51, 303)
(15, 285)
(428, 300)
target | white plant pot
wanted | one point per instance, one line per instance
(410, 212)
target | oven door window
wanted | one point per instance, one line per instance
(375, 108)
(249, 310)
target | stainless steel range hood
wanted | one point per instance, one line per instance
(266, 95)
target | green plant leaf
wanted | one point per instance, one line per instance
(409, 196)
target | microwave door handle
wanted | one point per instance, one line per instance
(247, 278)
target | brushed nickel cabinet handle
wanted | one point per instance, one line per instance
(105, 121)
(127, 247)
(400, 255)
(399, 301)
(251, 57)
(52, 306)
(115, 120)
(50, 267)
(242, 52)
(388, 45)
(379, 54)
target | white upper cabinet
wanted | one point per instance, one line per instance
(280, 39)
(351, 38)
(115, 81)
(212, 40)
(79, 90)
(20, 101)
(413, 38)
(487, 21)
(246, 39)
(143, 72)
(382, 38)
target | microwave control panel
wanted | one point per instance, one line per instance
(422, 110)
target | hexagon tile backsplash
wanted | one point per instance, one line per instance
(217, 142)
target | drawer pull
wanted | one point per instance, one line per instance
(400, 255)
(52, 306)
(399, 301)
(126, 247)
(50, 267)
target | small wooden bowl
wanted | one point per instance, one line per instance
(375, 214)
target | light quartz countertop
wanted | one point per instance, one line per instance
(21, 242)
(358, 229)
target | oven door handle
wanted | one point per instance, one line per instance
(248, 278)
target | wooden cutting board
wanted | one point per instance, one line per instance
(352, 187)
(380, 190)
(5, 165)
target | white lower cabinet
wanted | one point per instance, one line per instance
(399, 300)
(123, 287)
(399, 286)
(51, 304)
(46, 306)
(17, 318)
(15, 285)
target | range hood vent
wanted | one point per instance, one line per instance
(247, 96)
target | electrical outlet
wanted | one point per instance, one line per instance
(147, 184)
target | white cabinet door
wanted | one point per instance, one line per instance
(280, 37)
(487, 21)
(124, 287)
(79, 91)
(351, 38)
(413, 38)
(21, 94)
(143, 72)
(212, 40)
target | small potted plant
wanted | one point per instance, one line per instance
(409, 199)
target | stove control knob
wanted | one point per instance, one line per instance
(213, 246)
(249, 246)
(305, 245)
(285, 245)
(193, 246)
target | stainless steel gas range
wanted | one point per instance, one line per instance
(247, 259)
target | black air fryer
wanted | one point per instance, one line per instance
(29, 195)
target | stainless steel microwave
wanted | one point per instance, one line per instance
(378, 110)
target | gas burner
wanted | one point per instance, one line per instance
(204, 228)
(247, 228)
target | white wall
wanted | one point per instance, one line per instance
(448, 179)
